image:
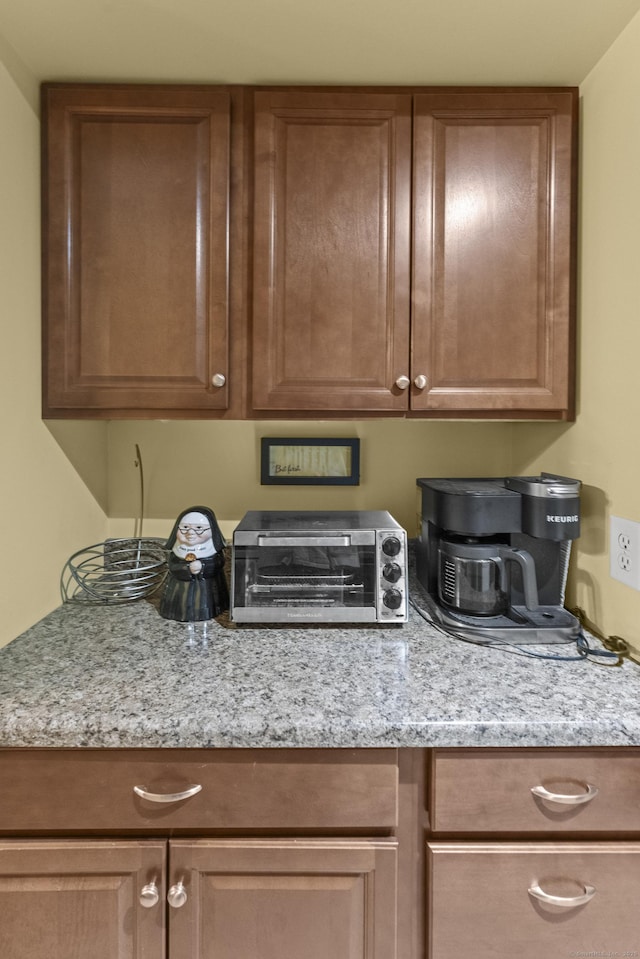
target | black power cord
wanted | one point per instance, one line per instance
(611, 655)
(615, 644)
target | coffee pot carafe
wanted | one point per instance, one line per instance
(474, 576)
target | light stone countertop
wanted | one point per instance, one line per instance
(121, 676)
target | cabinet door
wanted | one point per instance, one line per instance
(494, 251)
(331, 250)
(284, 899)
(73, 899)
(491, 901)
(136, 185)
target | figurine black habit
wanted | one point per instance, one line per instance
(196, 587)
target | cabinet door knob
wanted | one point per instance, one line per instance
(149, 895)
(144, 793)
(420, 381)
(566, 800)
(565, 902)
(218, 379)
(177, 895)
(403, 382)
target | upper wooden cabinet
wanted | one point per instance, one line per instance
(237, 251)
(493, 251)
(331, 250)
(135, 242)
(491, 271)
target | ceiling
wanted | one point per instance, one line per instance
(538, 42)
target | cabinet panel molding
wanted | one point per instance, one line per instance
(494, 250)
(136, 225)
(331, 250)
(303, 898)
(480, 902)
(76, 899)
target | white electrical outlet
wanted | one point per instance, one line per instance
(624, 551)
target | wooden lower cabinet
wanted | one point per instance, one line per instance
(202, 899)
(533, 900)
(284, 900)
(319, 854)
(78, 899)
(200, 854)
(533, 853)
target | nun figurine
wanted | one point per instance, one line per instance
(196, 587)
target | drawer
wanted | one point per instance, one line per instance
(490, 790)
(480, 903)
(93, 790)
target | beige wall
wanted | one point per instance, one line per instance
(48, 512)
(603, 447)
(218, 465)
(56, 499)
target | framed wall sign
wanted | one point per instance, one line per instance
(310, 462)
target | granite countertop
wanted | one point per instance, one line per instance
(121, 676)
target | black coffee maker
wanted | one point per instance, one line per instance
(493, 556)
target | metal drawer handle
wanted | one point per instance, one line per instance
(144, 793)
(565, 902)
(542, 793)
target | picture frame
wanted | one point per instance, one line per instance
(287, 461)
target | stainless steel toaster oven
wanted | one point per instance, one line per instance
(319, 567)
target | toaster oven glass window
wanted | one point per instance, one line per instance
(309, 575)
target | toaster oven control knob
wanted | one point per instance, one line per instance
(391, 546)
(392, 599)
(392, 572)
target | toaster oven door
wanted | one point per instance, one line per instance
(291, 577)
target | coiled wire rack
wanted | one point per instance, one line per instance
(115, 571)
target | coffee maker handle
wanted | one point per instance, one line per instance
(529, 580)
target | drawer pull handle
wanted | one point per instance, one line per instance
(149, 895)
(167, 797)
(565, 902)
(567, 800)
(177, 895)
